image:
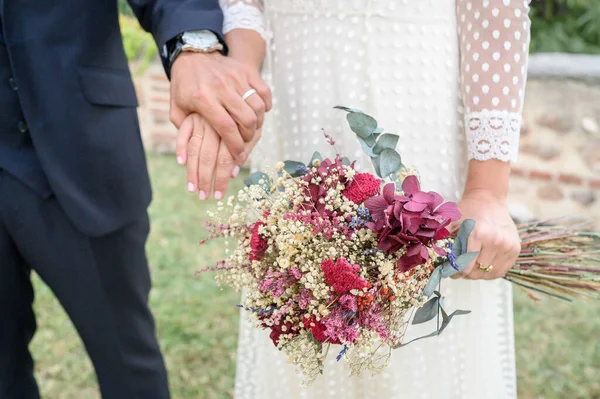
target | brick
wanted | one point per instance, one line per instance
(159, 77)
(160, 88)
(570, 179)
(540, 175)
(160, 99)
(518, 172)
(160, 111)
(550, 193)
(594, 184)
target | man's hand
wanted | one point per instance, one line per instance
(212, 86)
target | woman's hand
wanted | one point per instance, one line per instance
(209, 162)
(495, 235)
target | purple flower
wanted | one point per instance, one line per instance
(412, 221)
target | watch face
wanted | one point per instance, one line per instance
(202, 39)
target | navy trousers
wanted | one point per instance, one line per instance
(102, 282)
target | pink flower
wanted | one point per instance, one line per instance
(348, 302)
(316, 192)
(362, 187)
(318, 330)
(342, 276)
(411, 221)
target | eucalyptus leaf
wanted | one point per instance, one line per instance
(347, 109)
(447, 318)
(462, 261)
(376, 161)
(255, 179)
(462, 238)
(427, 312)
(316, 156)
(434, 281)
(386, 141)
(346, 161)
(390, 163)
(361, 124)
(445, 322)
(378, 131)
(366, 147)
(294, 168)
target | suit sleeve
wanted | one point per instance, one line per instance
(166, 19)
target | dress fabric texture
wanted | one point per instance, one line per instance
(448, 77)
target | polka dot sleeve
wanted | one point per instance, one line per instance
(243, 14)
(494, 44)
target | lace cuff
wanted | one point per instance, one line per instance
(493, 135)
(243, 14)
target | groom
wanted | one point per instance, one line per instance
(74, 188)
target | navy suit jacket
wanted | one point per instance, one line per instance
(79, 101)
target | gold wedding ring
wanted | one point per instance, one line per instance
(248, 94)
(484, 268)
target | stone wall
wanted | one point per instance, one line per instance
(558, 171)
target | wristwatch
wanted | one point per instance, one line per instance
(199, 41)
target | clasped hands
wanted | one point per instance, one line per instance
(217, 127)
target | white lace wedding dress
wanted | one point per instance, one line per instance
(448, 77)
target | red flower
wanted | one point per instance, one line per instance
(362, 187)
(411, 221)
(258, 244)
(317, 328)
(342, 275)
(277, 331)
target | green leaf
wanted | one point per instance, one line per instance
(361, 124)
(390, 162)
(256, 177)
(447, 318)
(434, 281)
(462, 238)
(386, 141)
(368, 149)
(292, 167)
(427, 311)
(346, 161)
(376, 161)
(347, 109)
(445, 322)
(316, 156)
(462, 261)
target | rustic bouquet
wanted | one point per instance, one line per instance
(328, 255)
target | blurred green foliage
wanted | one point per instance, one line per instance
(570, 26)
(139, 45)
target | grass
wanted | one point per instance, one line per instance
(558, 354)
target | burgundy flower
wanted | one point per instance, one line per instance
(411, 221)
(258, 244)
(277, 331)
(342, 275)
(362, 187)
(318, 330)
(316, 192)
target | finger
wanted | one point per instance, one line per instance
(193, 154)
(258, 106)
(263, 90)
(176, 114)
(487, 257)
(224, 171)
(241, 113)
(184, 135)
(227, 129)
(508, 258)
(207, 161)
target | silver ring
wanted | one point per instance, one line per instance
(248, 94)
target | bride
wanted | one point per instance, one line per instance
(448, 77)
